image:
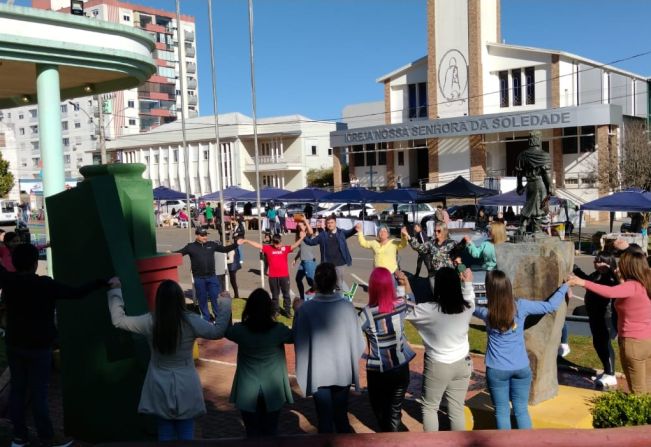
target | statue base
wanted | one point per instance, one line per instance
(536, 269)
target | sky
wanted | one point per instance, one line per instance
(314, 57)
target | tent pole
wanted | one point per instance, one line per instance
(612, 218)
(580, 219)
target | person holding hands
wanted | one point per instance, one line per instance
(385, 250)
(277, 255)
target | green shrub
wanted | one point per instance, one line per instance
(618, 409)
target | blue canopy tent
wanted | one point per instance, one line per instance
(458, 188)
(304, 195)
(230, 193)
(352, 195)
(164, 193)
(631, 200)
(512, 198)
(266, 194)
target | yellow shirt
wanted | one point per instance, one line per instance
(384, 255)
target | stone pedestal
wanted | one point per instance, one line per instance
(536, 270)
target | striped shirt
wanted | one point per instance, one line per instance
(387, 345)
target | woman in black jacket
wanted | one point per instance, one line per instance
(601, 315)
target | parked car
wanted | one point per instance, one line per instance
(422, 210)
(300, 207)
(168, 205)
(469, 212)
(348, 210)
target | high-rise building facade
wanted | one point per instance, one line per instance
(88, 121)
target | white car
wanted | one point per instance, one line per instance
(348, 210)
(422, 210)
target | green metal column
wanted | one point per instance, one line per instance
(49, 130)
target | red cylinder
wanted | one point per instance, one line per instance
(155, 270)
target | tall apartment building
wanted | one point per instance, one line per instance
(127, 112)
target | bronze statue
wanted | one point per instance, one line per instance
(534, 164)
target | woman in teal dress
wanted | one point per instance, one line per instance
(486, 250)
(261, 383)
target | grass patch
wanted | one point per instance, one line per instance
(582, 354)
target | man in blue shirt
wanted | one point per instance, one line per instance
(333, 247)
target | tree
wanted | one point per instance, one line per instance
(324, 177)
(6, 177)
(635, 166)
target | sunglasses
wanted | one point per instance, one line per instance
(439, 231)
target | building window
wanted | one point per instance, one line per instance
(95, 12)
(517, 87)
(35, 162)
(77, 125)
(401, 158)
(64, 125)
(382, 154)
(329, 151)
(147, 159)
(131, 104)
(156, 159)
(370, 154)
(35, 145)
(313, 150)
(205, 155)
(175, 155)
(34, 129)
(417, 100)
(34, 112)
(66, 159)
(577, 140)
(530, 83)
(66, 142)
(132, 122)
(126, 18)
(21, 131)
(358, 155)
(504, 88)
(64, 108)
(21, 116)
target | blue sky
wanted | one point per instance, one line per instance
(313, 57)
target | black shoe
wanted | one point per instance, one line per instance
(286, 313)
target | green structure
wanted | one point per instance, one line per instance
(103, 227)
(102, 367)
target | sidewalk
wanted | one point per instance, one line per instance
(216, 367)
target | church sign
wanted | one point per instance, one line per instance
(472, 125)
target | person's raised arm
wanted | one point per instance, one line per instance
(251, 243)
(360, 237)
(404, 239)
(350, 232)
(623, 290)
(226, 248)
(184, 251)
(297, 244)
(139, 325)
(529, 307)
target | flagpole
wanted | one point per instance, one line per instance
(220, 176)
(255, 137)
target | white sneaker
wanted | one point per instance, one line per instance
(607, 381)
(563, 350)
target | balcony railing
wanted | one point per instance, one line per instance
(192, 67)
(192, 84)
(275, 162)
(189, 36)
(192, 100)
(189, 51)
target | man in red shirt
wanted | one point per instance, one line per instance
(277, 255)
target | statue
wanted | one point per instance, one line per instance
(534, 164)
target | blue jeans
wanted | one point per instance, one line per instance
(305, 270)
(207, 287)
(175, 429)
(331, 404)
(30, 370)
(510, 386)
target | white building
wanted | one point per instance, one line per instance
(288, 147)
(127, 112)
(467, 107)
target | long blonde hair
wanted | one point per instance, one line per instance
(498, 233)
(633, 265)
